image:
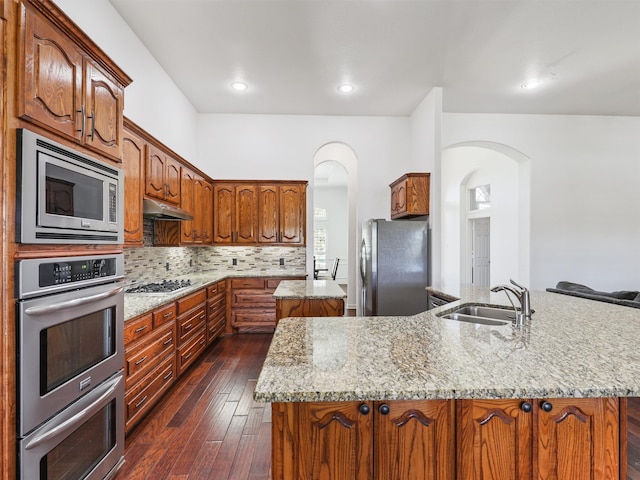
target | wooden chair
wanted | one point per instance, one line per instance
(334, 270)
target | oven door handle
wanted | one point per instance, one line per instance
(78, 418)
(76, 302)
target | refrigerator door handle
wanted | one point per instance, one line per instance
(363, 261)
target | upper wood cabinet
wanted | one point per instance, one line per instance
(558, 438)
(410, 196)
(162, 176)
(67, 85)
(133, 158)
(283, 211)
(235, 217)
(197, 199)
(256, 212)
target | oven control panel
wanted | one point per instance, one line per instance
(35, 277)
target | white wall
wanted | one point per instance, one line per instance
(425, 150)
(584, 196)
(153, 101)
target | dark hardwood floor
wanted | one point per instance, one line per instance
(208, 426)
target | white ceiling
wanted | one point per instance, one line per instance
(294, 53)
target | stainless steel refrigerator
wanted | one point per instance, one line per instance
(395, 267)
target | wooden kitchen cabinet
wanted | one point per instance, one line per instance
(133, 159)
(235, 207)
(282, 218)
(68, 85)
(216, 310)
(410, 196)
(576, 438)
(197, 199)
(150, 361)
(191, 328)
(162, 175)
(364, 440)
(259, 213)
(309, 307)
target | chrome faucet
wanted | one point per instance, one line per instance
(522, 294)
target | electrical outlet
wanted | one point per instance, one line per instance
(282, 261)
(234, 261)
(166, 266)
(190, 262)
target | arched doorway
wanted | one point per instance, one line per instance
(332, 155)
(504, 172)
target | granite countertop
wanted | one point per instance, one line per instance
(572, 347)
(138, 303)
(299, 289)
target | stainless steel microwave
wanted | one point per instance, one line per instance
(64, 196)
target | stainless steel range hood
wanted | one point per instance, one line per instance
(163, 211)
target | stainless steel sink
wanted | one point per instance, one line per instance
(481, 315)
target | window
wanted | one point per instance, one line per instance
(320, 237)
(480, 197)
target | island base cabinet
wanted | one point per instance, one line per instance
(363, 440)
(553, 439)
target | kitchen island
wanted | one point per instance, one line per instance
(309, 298)
(427, 397)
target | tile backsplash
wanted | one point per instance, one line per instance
(152, 264)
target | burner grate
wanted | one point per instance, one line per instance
(165, 286)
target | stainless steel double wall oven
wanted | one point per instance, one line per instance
(69, 314)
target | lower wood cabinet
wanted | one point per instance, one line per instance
(552, 439)
(309, 307)
(251, 304)
(191, 328)
(216, 310)
(364, 440)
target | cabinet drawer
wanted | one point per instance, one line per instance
(140, 399)
(191, 301)
(216, 289)
(191, 323)
(164, 314)
(257, 317)
(215, 307)
(252, 299)
(136, 329)
(215, 328)
(144, 357)
(255, 283)
(188, 353)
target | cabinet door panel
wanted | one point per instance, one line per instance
(223, 208)
(104, 105)
(336, 441)
(51, 78)
(246, 214)
(414, 440)
(188, 187)
(578, 438)
(292, 209)
(172, 178)
(495, 440)
(133, 165)
(268, 206)
(154, 173)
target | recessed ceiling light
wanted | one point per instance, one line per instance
(531, 84)
(239, 86)
(346, 88)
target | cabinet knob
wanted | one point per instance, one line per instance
(526, 407)
(546, 406)
(384, 409)
(364, 409)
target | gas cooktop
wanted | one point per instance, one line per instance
(166, 286)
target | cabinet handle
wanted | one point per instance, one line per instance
(364, 409)
(384, 409)
(81, 112)
(546, 406)
(139, 404)
(141, 360)
(187, 326)
(141, 329)
(167, 341)
(188, 355)
(202, 317)
(202, 341)
(93, 124)
(526, 407)
(167, 376)
(167, 315)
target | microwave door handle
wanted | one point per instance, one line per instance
(78, 418)
(76, 302)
